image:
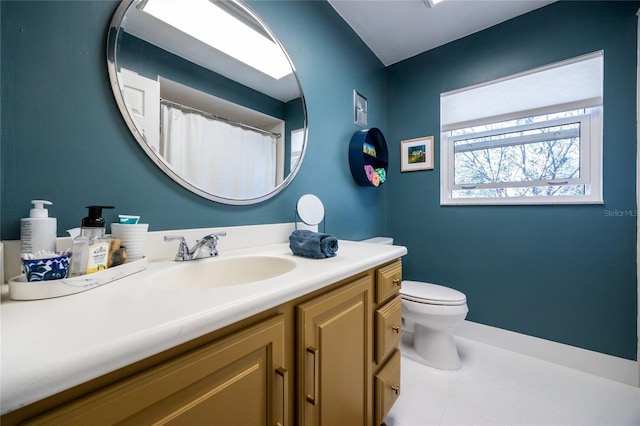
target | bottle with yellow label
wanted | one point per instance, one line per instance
(90, 251)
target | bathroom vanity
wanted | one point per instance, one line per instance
(315, 345)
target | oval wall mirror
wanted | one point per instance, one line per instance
(210, 95)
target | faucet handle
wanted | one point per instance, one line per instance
(211, 241)
(183, 248)
(215, 236)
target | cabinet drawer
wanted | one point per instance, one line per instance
(388, 281)
(388, 322)
(387, 387)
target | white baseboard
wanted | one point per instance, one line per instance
(611, 367)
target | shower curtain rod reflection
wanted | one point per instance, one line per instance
(217, 117)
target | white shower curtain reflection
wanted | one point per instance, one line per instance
(222, 159)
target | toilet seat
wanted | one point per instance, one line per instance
(431, 294)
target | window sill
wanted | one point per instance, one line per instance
(520, 201)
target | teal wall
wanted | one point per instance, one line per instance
(63, 138)
(563, 273)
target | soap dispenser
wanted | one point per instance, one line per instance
(90, 252)
(38, 231)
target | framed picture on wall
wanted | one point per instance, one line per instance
(417, 154)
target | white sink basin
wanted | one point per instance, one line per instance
(221, 272)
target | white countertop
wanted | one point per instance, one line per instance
(51, 345)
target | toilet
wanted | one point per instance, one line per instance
(430, 312)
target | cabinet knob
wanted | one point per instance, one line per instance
(396, 329)
(397, 282)
(395, 389)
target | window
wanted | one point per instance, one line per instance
(533, 138)
(297, 142)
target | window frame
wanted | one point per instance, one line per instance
(590, 165)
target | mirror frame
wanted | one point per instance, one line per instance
(112, 42)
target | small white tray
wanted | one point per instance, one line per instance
(21, 289)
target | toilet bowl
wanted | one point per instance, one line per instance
(430, 312)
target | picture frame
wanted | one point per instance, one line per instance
(360, 109)
(369, 149)
(417, 154)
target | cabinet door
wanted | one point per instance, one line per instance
(388, 323)
(238, 380)
(334, 353)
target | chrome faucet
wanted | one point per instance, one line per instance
(209, 241)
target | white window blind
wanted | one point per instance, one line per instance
(572, 84)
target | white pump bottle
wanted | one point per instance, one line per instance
(38, 231)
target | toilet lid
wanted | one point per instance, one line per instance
(431, 294)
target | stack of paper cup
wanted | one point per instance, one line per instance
(132, 237)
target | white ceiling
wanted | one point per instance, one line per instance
(396, 30)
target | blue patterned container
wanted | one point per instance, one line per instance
(55, 268)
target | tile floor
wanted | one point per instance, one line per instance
(499, 387)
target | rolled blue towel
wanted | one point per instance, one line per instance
(311, 244)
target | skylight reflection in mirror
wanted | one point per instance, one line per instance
(229, 34)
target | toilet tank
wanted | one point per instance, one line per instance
(379, 240)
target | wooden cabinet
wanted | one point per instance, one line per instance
(388, 332)
(238, 380)
(334, 340)
(327, 358)
(339, 334)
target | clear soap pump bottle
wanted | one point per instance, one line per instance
(90, 252)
